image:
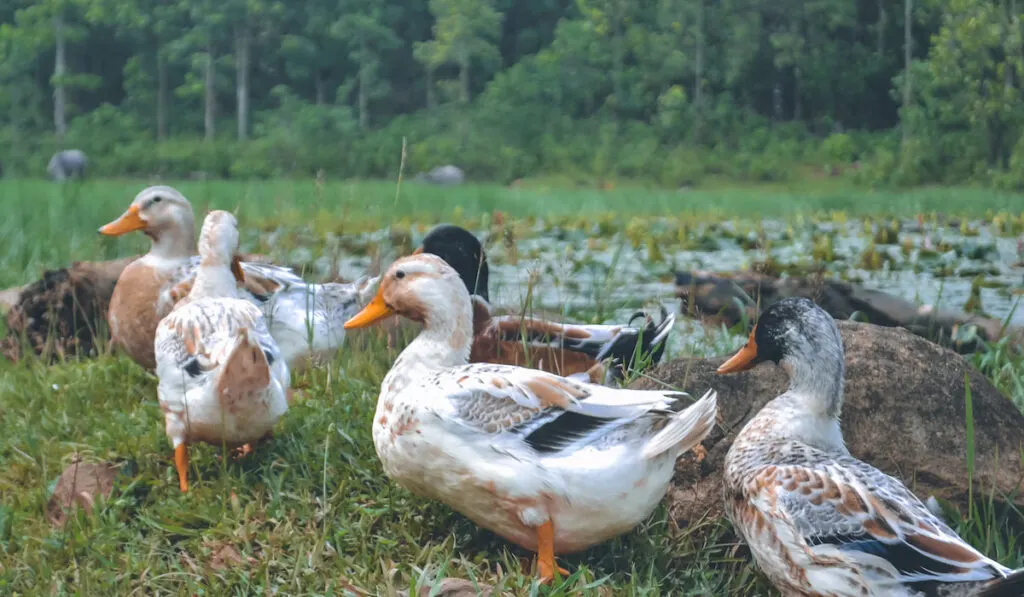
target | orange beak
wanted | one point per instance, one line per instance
(376, 310)
(130, 221)
(743, 359)
(236, 269)
(418, 251)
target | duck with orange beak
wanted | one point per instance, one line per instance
(305, 319)
(817, 520)
(550, 464)
(222, 376)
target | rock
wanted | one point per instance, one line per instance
(67, 164)
(443, 175)
(904, 412)
(729, 298)
(454, 587)
(64, 313)
(80, 485)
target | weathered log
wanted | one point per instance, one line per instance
(904, 412)
(729, 298)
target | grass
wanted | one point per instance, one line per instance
(311, 513)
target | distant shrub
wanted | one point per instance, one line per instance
(839, 148)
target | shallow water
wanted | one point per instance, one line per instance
(602, 275)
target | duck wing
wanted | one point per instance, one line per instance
(196, 339)
(550, 413)
(841, 505)
(621, 343)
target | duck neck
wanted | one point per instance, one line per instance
(214, 280)
(174, 242)
(445, 341)
(809, 411)
(817, 384)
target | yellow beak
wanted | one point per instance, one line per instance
(376, 310)
(130, 221)
(743, 359)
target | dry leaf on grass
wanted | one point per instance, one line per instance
(81, 484)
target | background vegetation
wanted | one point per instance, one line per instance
(669, 91)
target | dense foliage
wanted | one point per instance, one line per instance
(672, 91)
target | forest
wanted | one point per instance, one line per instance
(672, 92)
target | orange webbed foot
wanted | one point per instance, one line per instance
(546, 564)
(181, 463)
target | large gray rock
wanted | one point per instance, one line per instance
(67, 164)
(904, 412)
(443, 175)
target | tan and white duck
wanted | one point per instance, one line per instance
(579, 350)
(549, 463)
(305, 319)
(818, 521)
(223, 378)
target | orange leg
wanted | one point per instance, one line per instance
(181, 463)
(242, 451)
(546, 553)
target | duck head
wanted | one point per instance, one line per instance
(804, 340)
(164, 215)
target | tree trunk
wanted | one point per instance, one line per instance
(243, 44)
(698, 75)
(364, 83)
(798, 108)
(161, 94)
(59, 69)
(210, 91)
(618, 57)
(431, 94)
(464, 74)
(883, 20)
(908, 13)
(318, 83)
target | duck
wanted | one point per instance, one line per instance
(222, 376)
(577, 350)
(551, 464)
(305, 319)
(818, 521)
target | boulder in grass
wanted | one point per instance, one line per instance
(67, 164)
(904, 411)
(444, 176)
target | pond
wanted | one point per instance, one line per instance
(604, 270)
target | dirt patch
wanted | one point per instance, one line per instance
(64, 313)
(904, 412)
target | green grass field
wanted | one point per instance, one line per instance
(311, 513)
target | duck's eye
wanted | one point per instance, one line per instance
(157, 199)
(399, 274)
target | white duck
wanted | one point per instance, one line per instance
(550, 464)
(305, 319)
(820, 522)
(222, 376)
